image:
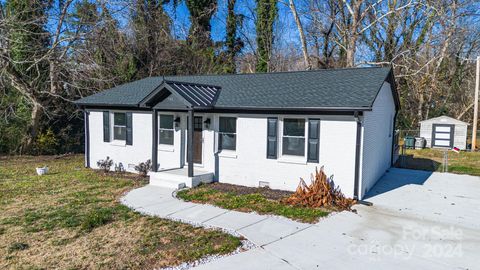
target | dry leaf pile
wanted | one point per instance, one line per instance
(320, 193)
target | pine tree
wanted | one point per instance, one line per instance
(201, 12)
(232, 42)
(267, 11)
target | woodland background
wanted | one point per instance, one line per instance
(54, 52)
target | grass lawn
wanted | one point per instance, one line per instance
(252, 202)
(431, 160)
(71, 219)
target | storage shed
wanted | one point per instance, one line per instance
(444, 132)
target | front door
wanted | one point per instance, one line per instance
(197, 139)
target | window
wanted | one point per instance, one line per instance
(293, 137)
(119, 126)
(227, 133)
(166, 129)
(197, 123)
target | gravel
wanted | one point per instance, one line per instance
(246, 245)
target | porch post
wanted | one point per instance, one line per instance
(154, 140)
(190, 142)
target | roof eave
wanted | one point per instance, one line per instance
(241, 108)
(106, 105)
(342, 109)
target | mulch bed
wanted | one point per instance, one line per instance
(271, 194)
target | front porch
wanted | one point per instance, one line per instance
(179, 178)
(182, 144)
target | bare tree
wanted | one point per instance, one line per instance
(301, 34)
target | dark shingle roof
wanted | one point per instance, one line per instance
(335, 88)
(129, 94)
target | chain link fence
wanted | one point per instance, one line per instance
(424, 163)
(402, 133)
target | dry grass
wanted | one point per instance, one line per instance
(71, 219)
(432, 159)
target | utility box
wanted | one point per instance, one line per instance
(409, 142)
(420, 142)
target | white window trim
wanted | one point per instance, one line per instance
(291, 158)
(228, 153)
(114, 141)
(166, 147)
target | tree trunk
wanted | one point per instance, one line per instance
(316, 52)
(351, 48)
(303, 40)
(33, 127)
(53, 77)
(420, 107)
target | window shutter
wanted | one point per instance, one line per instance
(129, 129)
(313, 140)
(106, 126)
(272, 138)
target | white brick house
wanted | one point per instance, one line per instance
(251, 129)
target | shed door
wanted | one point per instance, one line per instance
(442, 135)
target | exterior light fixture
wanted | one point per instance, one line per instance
(207, 123)
(177, 121)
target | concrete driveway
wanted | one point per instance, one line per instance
(418, 220)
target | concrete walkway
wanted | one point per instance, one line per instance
(259, 229)
(419, 220)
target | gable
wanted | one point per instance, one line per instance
(444, 119)
(169, 101)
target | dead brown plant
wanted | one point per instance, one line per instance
(321, 192)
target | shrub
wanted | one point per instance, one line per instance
(144, 167)
(46, 143)
(119, 168)
(105, 164)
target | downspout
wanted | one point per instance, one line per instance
(154, 140)
(357, 155)
(393, 137)
(87, 138)
(358, 147)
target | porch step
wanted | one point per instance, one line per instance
(178, 178)
(168, 183)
